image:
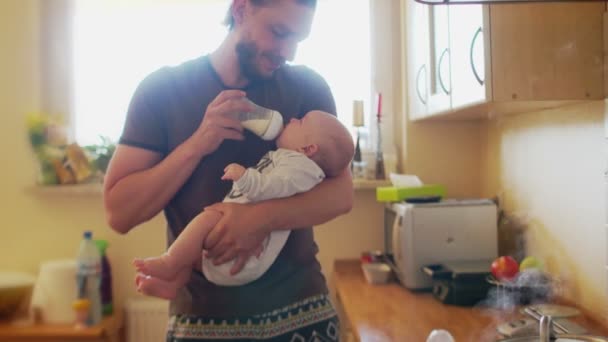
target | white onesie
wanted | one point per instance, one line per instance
(278, 174)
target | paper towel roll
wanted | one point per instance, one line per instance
(55, 290)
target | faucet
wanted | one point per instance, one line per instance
(545, 328)
(550, 327)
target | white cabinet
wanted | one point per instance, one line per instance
(445, 54)
(467, 55)
(472, 61)
(416, 16)
(439, 78)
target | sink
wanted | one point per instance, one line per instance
(547, 329)
(559, 338)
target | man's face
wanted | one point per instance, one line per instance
(269, 36)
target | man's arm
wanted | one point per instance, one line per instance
(139, 183)
(244, 226)
(331, 198)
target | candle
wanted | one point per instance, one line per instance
(358, 120)
(379, 111)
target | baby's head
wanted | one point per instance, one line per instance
(322, 138)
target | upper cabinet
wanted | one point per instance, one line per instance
(468, 55)
(471, 61)
(418, 43)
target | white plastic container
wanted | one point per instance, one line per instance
(376, 272)
(55, 290)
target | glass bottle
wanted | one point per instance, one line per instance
(358, 165)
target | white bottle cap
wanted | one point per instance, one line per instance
(440, 335)
(275, 126)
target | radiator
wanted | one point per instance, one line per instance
(146, 320)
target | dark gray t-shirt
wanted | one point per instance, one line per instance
(166, 109)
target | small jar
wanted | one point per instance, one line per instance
(81, 308)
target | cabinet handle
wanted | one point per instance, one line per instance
(422, 99)
(445, 90)
(477, 33)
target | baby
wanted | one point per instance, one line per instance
(309, 149)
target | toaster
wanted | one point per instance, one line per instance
(421, 234)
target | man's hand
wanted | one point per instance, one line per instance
(237, 236)
(219, 122)
(233, 172)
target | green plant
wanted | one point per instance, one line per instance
(100, 154)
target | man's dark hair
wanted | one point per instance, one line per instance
(229, 20)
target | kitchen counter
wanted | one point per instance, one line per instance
(107, 331)
(390, 312)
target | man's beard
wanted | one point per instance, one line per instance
(246, 53)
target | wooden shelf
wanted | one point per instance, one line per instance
(108, 330)
(369, 184)
(95, 189)
(90, 189)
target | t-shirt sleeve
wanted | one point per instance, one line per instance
(145, 125)
(316, 92)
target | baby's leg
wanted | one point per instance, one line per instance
(185, 250)
(156, 287)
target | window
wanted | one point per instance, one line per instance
(117, 43)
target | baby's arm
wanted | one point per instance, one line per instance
(233, 172)
(291, 174)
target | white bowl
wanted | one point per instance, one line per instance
(15, 292)
(376, 272)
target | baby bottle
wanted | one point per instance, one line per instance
(265, 123)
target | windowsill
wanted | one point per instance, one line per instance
(370, 184)
(92, 189)
(87, 189)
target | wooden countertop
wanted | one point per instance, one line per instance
(390, 312)
(108, 329)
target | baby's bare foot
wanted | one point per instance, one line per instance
(155, 287)
(139, 265)
(156, 267)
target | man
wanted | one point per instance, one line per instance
(180, 134)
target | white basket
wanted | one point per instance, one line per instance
(376, 272)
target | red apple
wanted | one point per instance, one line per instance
(505, 268)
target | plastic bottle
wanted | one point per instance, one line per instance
(265, 123)
(106, 279)
(88, 274)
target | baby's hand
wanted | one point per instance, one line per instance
(233, 172)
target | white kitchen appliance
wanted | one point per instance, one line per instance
(420, 234)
